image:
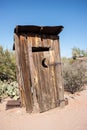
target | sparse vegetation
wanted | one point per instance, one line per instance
(74, 75)
(7, 65)
(76, 52)
(8, 83)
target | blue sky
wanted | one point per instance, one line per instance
(72, 14)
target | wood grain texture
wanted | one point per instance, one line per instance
(19, 71)
(58, 72)
(25, 73)
(39, 74)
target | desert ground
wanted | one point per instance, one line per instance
(72, 117)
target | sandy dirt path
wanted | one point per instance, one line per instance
(72, 117)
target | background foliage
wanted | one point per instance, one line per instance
(74, 76)
(76, 52)
(75, 70)
(7, 65)
(8, 83)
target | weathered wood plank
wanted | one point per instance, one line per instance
(47, 84)
(19, 71)
(53, 47)
(52, 81)
(33, 73)
(38, 87)
(45, 41)
(35, 40)
(25, 74)
(58, 72)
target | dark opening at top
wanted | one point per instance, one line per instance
(40, 49)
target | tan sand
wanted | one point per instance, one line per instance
(72, 117)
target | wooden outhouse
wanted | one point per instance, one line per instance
(39, 71)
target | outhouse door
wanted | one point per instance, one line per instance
(43, 80)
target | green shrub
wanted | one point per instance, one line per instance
(7, 65)
(74, 76)
(9, 89)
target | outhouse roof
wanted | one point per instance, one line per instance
(49, 30)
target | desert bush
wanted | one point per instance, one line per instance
(9, 89)
(7, 65)
(74, 76)
(77, 52)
